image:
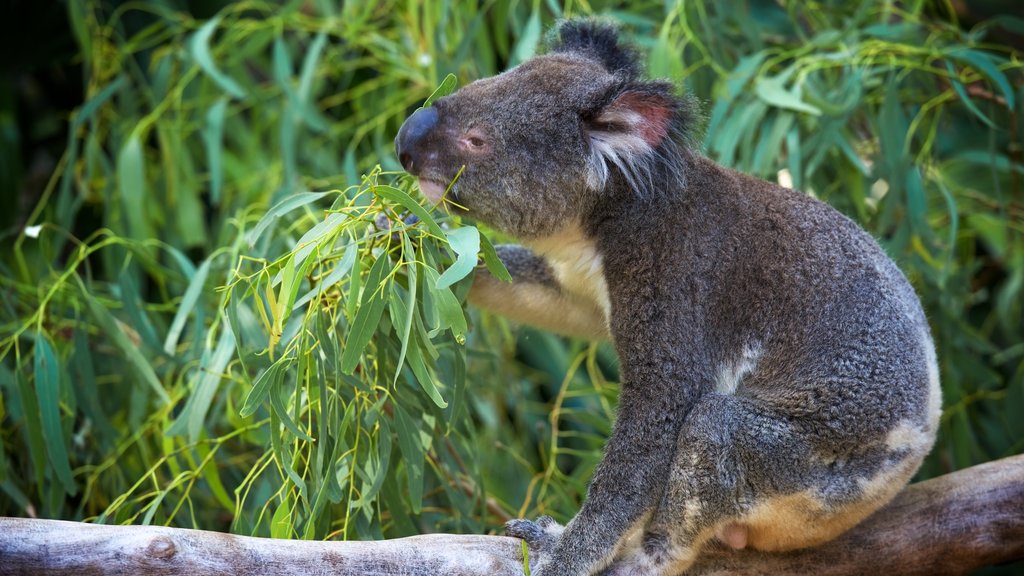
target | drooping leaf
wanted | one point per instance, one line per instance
(47, 373)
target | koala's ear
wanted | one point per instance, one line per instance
(635, 118)
(596, 39)
(637, 130)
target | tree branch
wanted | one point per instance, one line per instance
(948, 525)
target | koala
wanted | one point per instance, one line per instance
(779, 379)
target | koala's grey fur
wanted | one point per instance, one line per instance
(779, 380)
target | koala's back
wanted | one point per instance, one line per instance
(799, 296)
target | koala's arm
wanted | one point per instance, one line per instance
(535, 297)
(664, 371)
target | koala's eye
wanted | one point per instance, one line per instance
(473, 140)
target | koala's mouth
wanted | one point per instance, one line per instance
(432, 189)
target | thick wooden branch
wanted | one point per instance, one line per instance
(948, 525)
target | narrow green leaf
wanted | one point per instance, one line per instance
(380, 467)
(984, 64)
(961, 92)
(735, 83)
(403, 311)
(320, 234)
(199, 47)
(309, 65)
(526, 47)
(47, 373)
(135, 311)
(111, 330)
(277, 404)
(423, 376)
(89, 108)
(336, 275)
(210, 372)
(131, 179)
(188, 302)
(367, 317)
(773, 92)
(283, 70)
(33, 426)
(153, 506)
(281, 521)
(450, 314)
(412, 455)
(282, 452)
(213, 138)
(400, 197)
(261, 387)
(494, 264)
(446, 87)
(281, 208)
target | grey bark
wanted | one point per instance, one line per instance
(947, 525)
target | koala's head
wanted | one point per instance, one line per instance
(540, 144)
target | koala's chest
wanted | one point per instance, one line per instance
(577, 265)
(583, 277)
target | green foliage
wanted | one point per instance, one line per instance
(206, 323)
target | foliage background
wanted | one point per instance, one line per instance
(142, 142)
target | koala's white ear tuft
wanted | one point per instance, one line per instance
(625, 133)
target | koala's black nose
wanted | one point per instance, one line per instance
(413, 130)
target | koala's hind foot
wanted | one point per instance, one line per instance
(540, 535)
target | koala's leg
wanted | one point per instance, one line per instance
(749, 474)
(535, 297)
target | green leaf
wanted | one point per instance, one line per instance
(320, 234)
(379, 468)
(281, 411)
(406, 201)
(188, 303)
(89, 108)
(465, 242)
(773, 92)
(47, 372)
(333, 277)
(412, 455)
(983, 63)
(199, 47)
(210, 371)
(494, 264)
(961, 92)
(450, 314)
(261, 387)
(213, 137)
(402, 311)
(367, 317)
(526, 47)
(131, 179)
(423, 376)
(111, 330)
(281, 521)
(446, 87)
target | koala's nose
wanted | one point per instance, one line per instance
(413, 130)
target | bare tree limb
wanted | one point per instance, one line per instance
(948, 525)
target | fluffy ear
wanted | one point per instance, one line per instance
(636, 113)
(630, 133)
(596, 39)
